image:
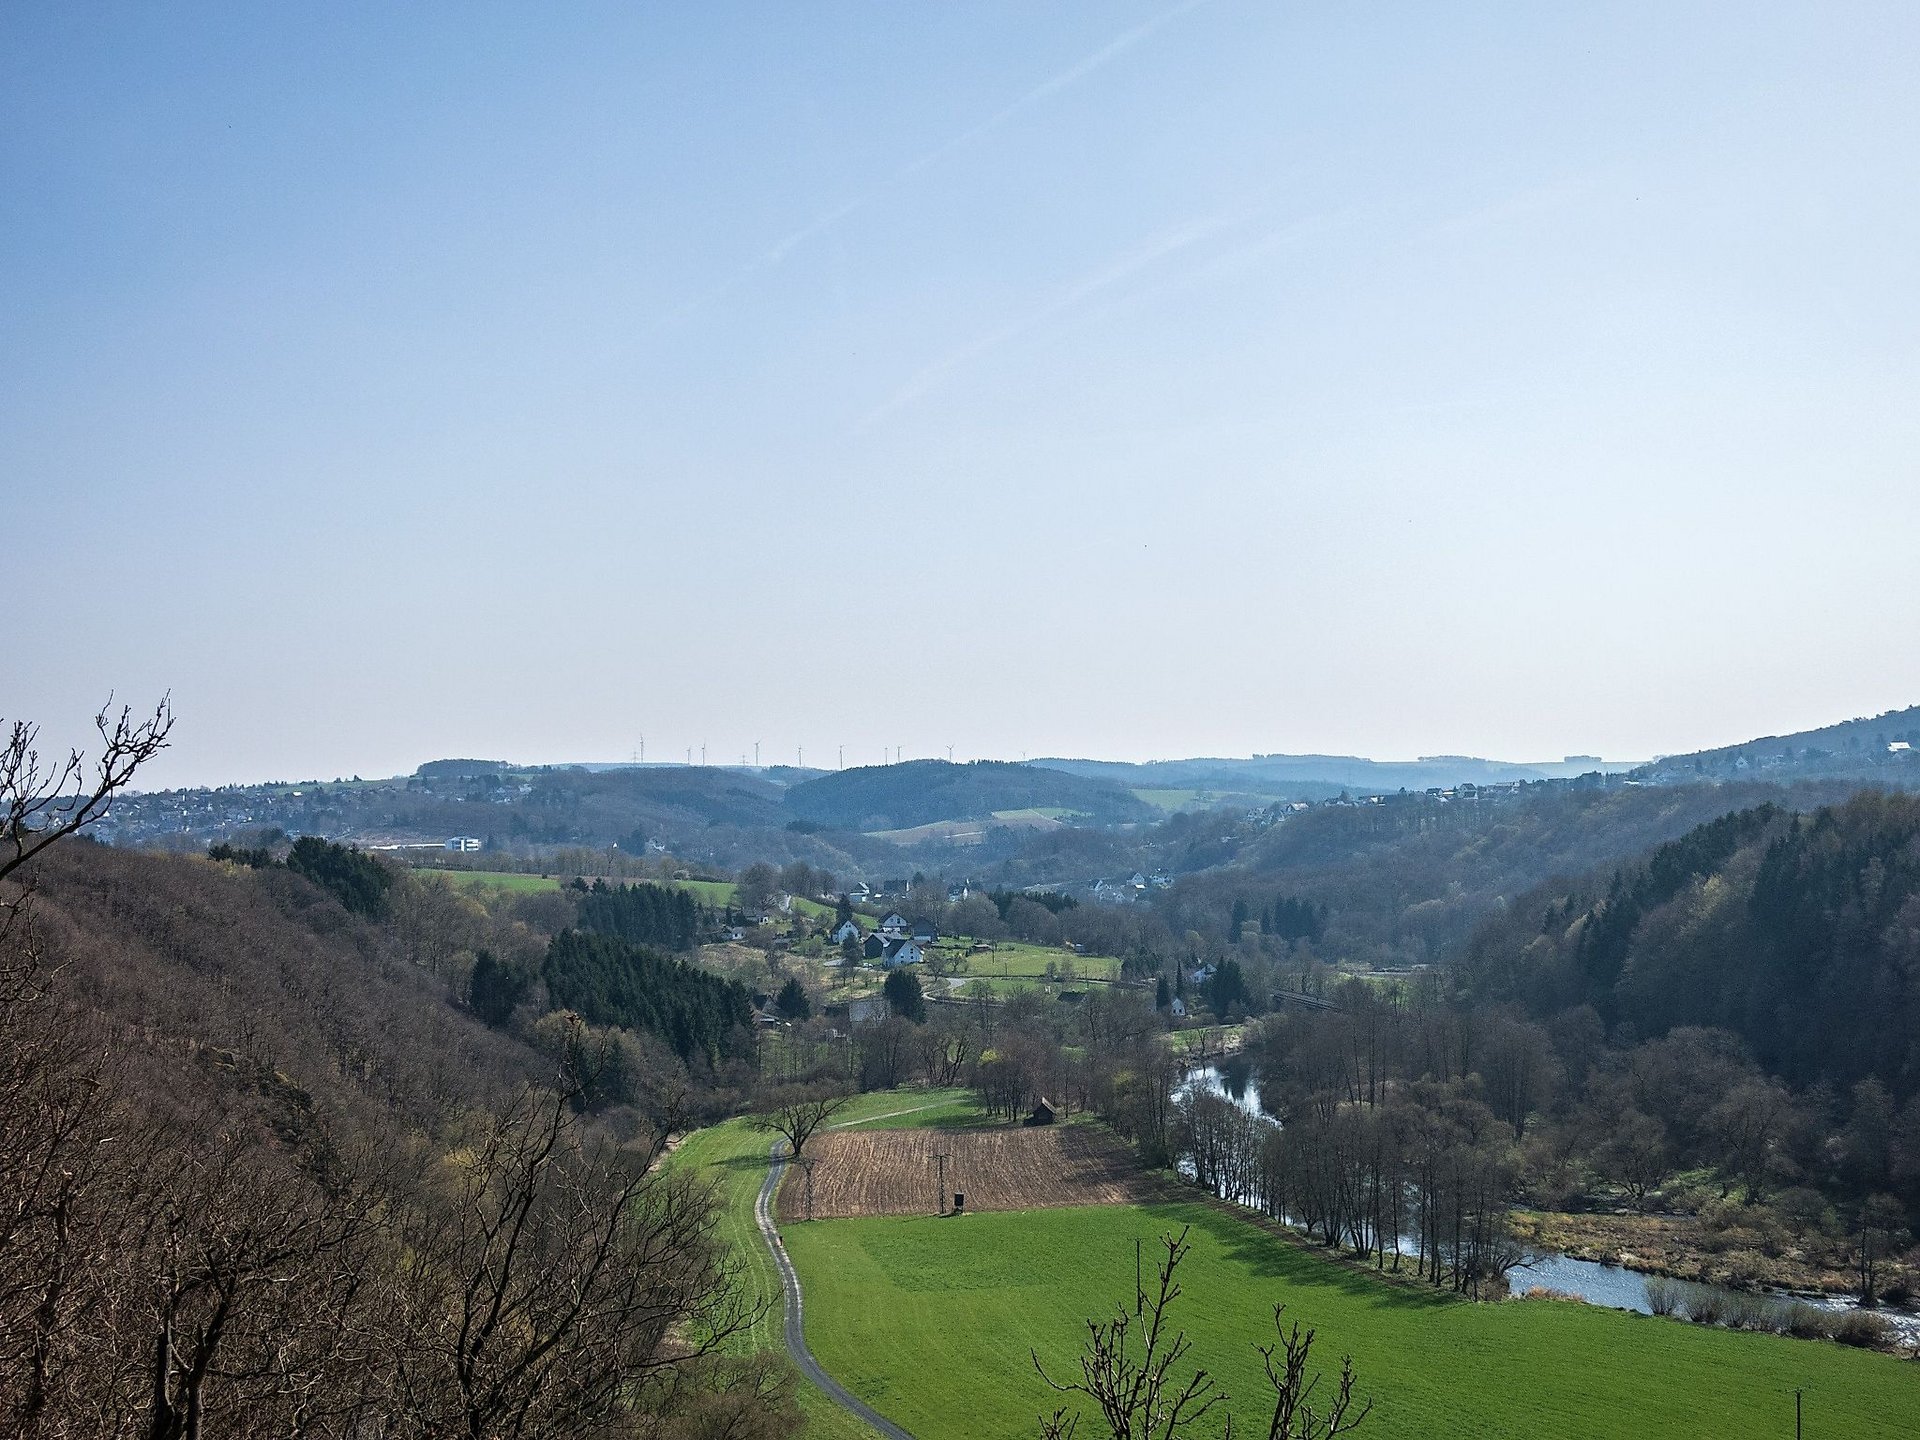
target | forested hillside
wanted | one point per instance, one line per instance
(920, 792)
(265, 1173)
(1883, 750)
(1798, 933)
(1407, 881)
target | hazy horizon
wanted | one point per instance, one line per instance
(1124, 381)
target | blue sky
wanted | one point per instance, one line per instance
(1122, 380)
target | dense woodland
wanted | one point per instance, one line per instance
(1715, 1014)
(266, 1175)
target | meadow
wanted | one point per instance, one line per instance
(1015, 960)
(931, 1319)
(497, 879)
(715, 894)
(733, 1158)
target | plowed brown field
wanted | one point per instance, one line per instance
(893, 1172)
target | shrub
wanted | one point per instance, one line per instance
(1753, 1312)
(1663, 1295)
(1705, 1306)
(1863, 1329)
(1898, 1293)
(1808, 1322)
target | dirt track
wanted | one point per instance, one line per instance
(893, 1172)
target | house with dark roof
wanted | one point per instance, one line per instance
(902, 952)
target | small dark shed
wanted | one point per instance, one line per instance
(1042, 1113)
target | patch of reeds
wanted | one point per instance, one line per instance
(1862, 1328)
(1664, 1295)
(1809, 1322)
(1705, 1305)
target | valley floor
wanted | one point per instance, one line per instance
(931, 1319)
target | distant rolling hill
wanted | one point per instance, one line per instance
(1319, 777)
(1882, 750)
(926, 792)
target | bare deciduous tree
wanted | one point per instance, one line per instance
(558, 1284)
(1128, 1365)
(42, 801)
(1294, 1417)
(795, 1112)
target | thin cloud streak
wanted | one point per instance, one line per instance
(1072, 75)
(1122, 268)
(1046, 89)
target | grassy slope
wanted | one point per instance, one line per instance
(930, 1320)
(715, 893)
(734, 1157)
(502, 879)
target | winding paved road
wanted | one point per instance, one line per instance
(792, 1307)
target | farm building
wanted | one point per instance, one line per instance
(1042, 1113)
(925, 932)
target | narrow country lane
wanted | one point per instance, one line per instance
(794, 1310)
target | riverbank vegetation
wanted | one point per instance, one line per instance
(932, 1320)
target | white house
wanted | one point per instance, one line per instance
(894, 926)
(845, 931)
(902, 952)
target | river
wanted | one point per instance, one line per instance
(1607, 1285)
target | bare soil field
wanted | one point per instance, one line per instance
(893, 1172)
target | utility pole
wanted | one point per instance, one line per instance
(806, 1163)
(756, 754)
(1139, 1294)
(940, 1158)
(643, 747)
(1796, 1415)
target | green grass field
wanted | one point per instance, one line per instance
(930, 1320)
(713, 893)
(734, 1157)
(1012, 960)
(499, 879)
